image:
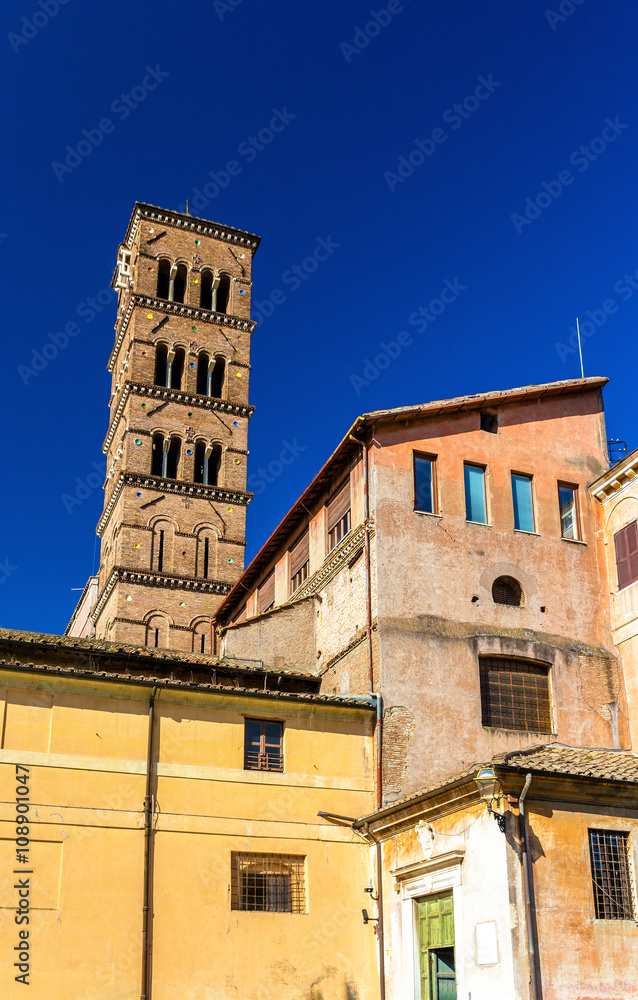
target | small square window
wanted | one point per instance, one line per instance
(271, 883)
(611, 875)
(489, 422)
(568, 503)
(424, 484)
(475, 501)
(523, 503)
(263, 745)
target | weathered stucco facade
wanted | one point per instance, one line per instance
(433, 617)
(81, 736)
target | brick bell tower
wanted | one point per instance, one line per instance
(173, 526)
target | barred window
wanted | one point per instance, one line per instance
(515, 695)
(611, 875)
(263, 745)
(274, 883)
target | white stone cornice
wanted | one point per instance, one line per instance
(175, 396)
(173, 309)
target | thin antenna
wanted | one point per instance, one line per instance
(187, 212)
(580, 350)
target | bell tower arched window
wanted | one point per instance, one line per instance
(221, 300)
(157, 632)
(177, 283)
(165, 456)
(161, 357)
(163, 539)
(211, 374)
(163, 278)
(208, 294)
(208, 460)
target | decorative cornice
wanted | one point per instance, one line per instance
(193, 490)
(175, 309)
(174, 396)
(149, 578)
(617, 480)
(335, 561)
(192, 223)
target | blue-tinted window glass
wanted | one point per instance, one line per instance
(567, 500)
(522, 497)
(475, 506)
(424, 499)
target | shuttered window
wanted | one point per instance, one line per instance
(515, 695)
(266, 594)
(626, 544)
(241, 615)
(299, 561)
(338, 514)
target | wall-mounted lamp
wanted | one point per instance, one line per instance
(490, 790)
(366, 918)
(370, 889)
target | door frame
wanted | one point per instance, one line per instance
(427, 879)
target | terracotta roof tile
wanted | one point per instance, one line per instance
(578, 762)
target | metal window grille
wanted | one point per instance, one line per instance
(339, 531)
(506, 590)
(515, 695)
(611, 875)
(273, 883)
(300, 576)
(263, 745)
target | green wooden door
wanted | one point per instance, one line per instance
(436, 947)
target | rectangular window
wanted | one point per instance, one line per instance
(475, 503)
(515, 695)
(272, 883)
(424, 498)
(338, 514)
(263, 745)
(626, 545)
(568, 502)
(611, 875)
(266, 594)
(522, 499)
(299, 561)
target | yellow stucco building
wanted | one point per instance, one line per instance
(195, 792)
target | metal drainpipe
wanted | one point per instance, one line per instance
(529, 903)
(148, 820)
(366, 547)
(377, 843)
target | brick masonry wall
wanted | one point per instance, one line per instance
(141, 409)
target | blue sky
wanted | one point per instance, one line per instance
(429, 146)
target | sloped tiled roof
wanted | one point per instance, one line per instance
(160, 658)
(576, 762)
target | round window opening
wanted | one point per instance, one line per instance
(507, 590)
